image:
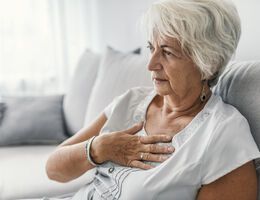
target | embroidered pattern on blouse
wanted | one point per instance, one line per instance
(116, 177)
(190, 129)
(139, 114)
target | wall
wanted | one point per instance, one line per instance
(114, 22)
(249, 46)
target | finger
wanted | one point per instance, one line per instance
(134, 128)
(139, 164)
(154, 157)
(151, 139)
(158, 148)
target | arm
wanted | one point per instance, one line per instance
(69, 161)
(240, 184)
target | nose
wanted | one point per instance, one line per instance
(154, 63)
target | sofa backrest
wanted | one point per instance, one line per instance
(97, 80)
(78, 93)
(117, 73)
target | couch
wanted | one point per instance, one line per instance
(96, 81)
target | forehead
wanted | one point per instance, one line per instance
(168, 41)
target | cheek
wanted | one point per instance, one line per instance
(175, 80)
(181, 75)
(181, 70)
(174, 74)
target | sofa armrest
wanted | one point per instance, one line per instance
(22, 174)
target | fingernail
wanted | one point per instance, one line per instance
(168, 137)
(170, 148)
(165, 157)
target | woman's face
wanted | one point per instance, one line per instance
(172, 72)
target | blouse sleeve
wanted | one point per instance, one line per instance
(110, 107)
(230, 147)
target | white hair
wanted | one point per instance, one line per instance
(208, 30)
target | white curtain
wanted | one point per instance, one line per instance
(40, 43)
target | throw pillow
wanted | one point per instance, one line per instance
(117, 72)
(77, 96)
(32, 120)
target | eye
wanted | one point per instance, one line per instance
(168, 53)
(149, 46)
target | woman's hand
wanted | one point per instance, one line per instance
(127, 149)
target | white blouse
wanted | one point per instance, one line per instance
(215, 142)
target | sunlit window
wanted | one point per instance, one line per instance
(40, 42)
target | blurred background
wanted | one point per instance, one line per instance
(41, 41)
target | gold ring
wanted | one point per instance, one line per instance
(141, 156)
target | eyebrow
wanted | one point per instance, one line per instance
(162, 46)
(166, 46)
(149, 43)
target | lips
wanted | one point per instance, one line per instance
(159, 79)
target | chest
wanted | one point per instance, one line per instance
(157, 123)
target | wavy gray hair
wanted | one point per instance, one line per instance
(208, 30)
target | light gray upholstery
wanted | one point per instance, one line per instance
(32, 120)
(239, 85)
(118, 72)
(2, 110)
(78, 94)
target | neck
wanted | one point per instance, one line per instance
(189, 105)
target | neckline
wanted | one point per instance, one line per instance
(199, 114)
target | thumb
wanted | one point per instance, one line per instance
(135, 128)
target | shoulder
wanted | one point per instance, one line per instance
(230, 139)
(225, 113)
(134, 95)
(227, 124)
(124, 105)
(138, 92)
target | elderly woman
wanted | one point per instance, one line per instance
(176, 140)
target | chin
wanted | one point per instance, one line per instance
(161, 90)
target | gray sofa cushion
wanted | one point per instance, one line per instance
(32, 120)
(239, 86)
(77, 96)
